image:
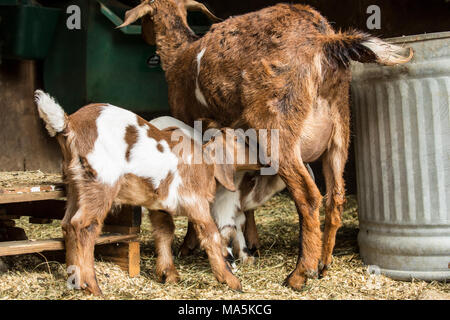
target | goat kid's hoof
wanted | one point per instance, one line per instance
(295, 281)
(252, 251)
(93, 289)
(311, 274)
(253, 247)
(234, 283)
(323, 270)
(169, 276)
(247, 259)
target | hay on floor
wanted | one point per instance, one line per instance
(32, 277)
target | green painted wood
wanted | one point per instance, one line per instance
(26, 30)
(100, 63)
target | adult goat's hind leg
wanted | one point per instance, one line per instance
(333, 163)
(163, 231)
(307, 200)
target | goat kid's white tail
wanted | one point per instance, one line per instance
(51, 112)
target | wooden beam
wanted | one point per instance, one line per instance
(121, 229)
(32, 196)
(9, 248)
(126, 255)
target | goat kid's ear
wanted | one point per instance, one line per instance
(216, 152)
(192, 5)
(224, 174)
(138, 12)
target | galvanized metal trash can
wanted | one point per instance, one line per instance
(402, 142)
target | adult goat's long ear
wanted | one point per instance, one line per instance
(192, 5)
(138, 12)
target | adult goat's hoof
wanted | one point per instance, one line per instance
(295, 281)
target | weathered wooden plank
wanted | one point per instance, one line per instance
(121, 229)
(32, 196)
(25, 144)
(29, 188)
(126, 255)
(9, 248)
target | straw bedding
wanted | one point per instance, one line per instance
(33, 277)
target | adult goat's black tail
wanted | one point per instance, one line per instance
(341, 47)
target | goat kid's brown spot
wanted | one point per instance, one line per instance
(131, 136)
(84, 127)
(137, 191)
(90, 172)
(163, 189)
(141, 122)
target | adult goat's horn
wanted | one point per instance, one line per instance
(138, 12)
(193, 5)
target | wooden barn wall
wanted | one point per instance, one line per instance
(398, 17)
(24, 143)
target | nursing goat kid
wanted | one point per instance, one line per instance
(230, 209)
(283, 68)
(114, 157)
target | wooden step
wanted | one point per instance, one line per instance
(8, 248)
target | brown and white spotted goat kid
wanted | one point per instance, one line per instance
(114, 157)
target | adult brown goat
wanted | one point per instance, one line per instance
(283, 68)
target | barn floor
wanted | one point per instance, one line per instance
(32, 277)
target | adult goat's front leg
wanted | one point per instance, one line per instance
(307, 200)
